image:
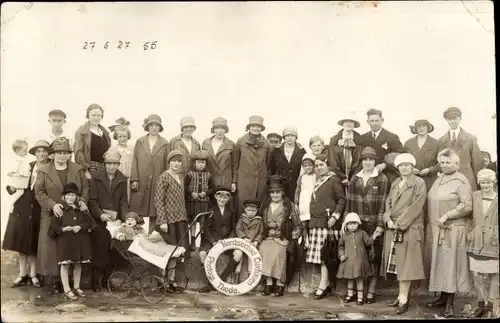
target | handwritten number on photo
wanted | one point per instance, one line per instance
(89, 44)
(149, 45)
(120, 44)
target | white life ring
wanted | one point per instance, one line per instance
(253, 256)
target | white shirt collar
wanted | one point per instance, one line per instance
(374, 174)
(376, 132)
(346, 135)
(456, 131)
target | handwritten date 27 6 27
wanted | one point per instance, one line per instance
(120, 45)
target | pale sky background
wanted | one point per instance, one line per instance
(304, 64)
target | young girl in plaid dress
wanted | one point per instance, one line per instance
(199, 188)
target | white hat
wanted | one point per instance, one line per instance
(350, 217)
(308, 157)
(405, 158)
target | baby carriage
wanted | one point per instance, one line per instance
(150, 273)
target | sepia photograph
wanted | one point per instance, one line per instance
(248, 160)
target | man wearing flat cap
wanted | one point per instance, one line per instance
(464, 144)
(274, 139)
(57, 119)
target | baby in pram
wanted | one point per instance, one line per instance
(152, 248)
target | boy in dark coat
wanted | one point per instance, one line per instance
(73, 244)
(220, 226)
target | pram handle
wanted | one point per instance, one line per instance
(199, 215)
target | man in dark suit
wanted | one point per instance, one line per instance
(384, 142)
(464, 144)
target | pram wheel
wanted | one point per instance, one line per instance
(153, 289)
(119, 284)
(181, 279)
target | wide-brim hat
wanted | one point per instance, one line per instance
(154, 118)
(349, 118)
(119, 122)
(199, 155)
(173, 154)
(430, 127)
(251, 202)
(405, 158)
(39, 144)
(134, 216)
(60, 144)
(256, 121)
(187, 122)
(222, 189)
(453, 111)
(274, 135)
(71, 188)
(219, 122)
(368, 152)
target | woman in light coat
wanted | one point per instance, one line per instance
(483, 244)
(148, 163)
(404, 218)
(221, 161)
(49, 187)
(185, 143)
(449, 203)
(253, 154)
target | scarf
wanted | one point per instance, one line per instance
(255, 141)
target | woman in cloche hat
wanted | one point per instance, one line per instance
(51, 179)
(149, 162)
(23, 225)
(220, 154)
(185, 143)
(366, 195)
(425, 149)
(344, 150)
(253, 156)
(108, 202)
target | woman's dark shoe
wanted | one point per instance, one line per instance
(19, 281)
(479, 311)
(325, 292)
(280, 291)
(70, 295)
(394, 303)
(402, 308)
(438, 303)
(450, 302)
(80, 292)
(175, 288)
(267, 290)
(35, 282)
(370, 300)
(360, 301)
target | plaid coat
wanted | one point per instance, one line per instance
(368, 201)
(169, 200)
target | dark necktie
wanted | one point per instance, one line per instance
(374, 135)
(453, 138)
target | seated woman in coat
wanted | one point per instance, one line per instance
(281, 231)
(404, 221)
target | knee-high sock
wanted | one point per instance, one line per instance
(65, 278)
(404, 290)
(77, 275)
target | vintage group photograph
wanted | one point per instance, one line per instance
(193, 161)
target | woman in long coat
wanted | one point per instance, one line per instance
(344, 150)
(449, 203)
(49, 186)
(23, 226)
(185, 143)
(425, 149)
(253, 153)
(404, 215)
(286, 161)
(148, 163)
(92, 141)
(221, 161)
(108, 192)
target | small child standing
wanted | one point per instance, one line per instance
(19, 178)
(354, 264)
(249, 228)
(74, 246)
(198, 184)
(303, 193)
(122, 134)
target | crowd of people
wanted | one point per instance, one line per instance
(362, 207)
